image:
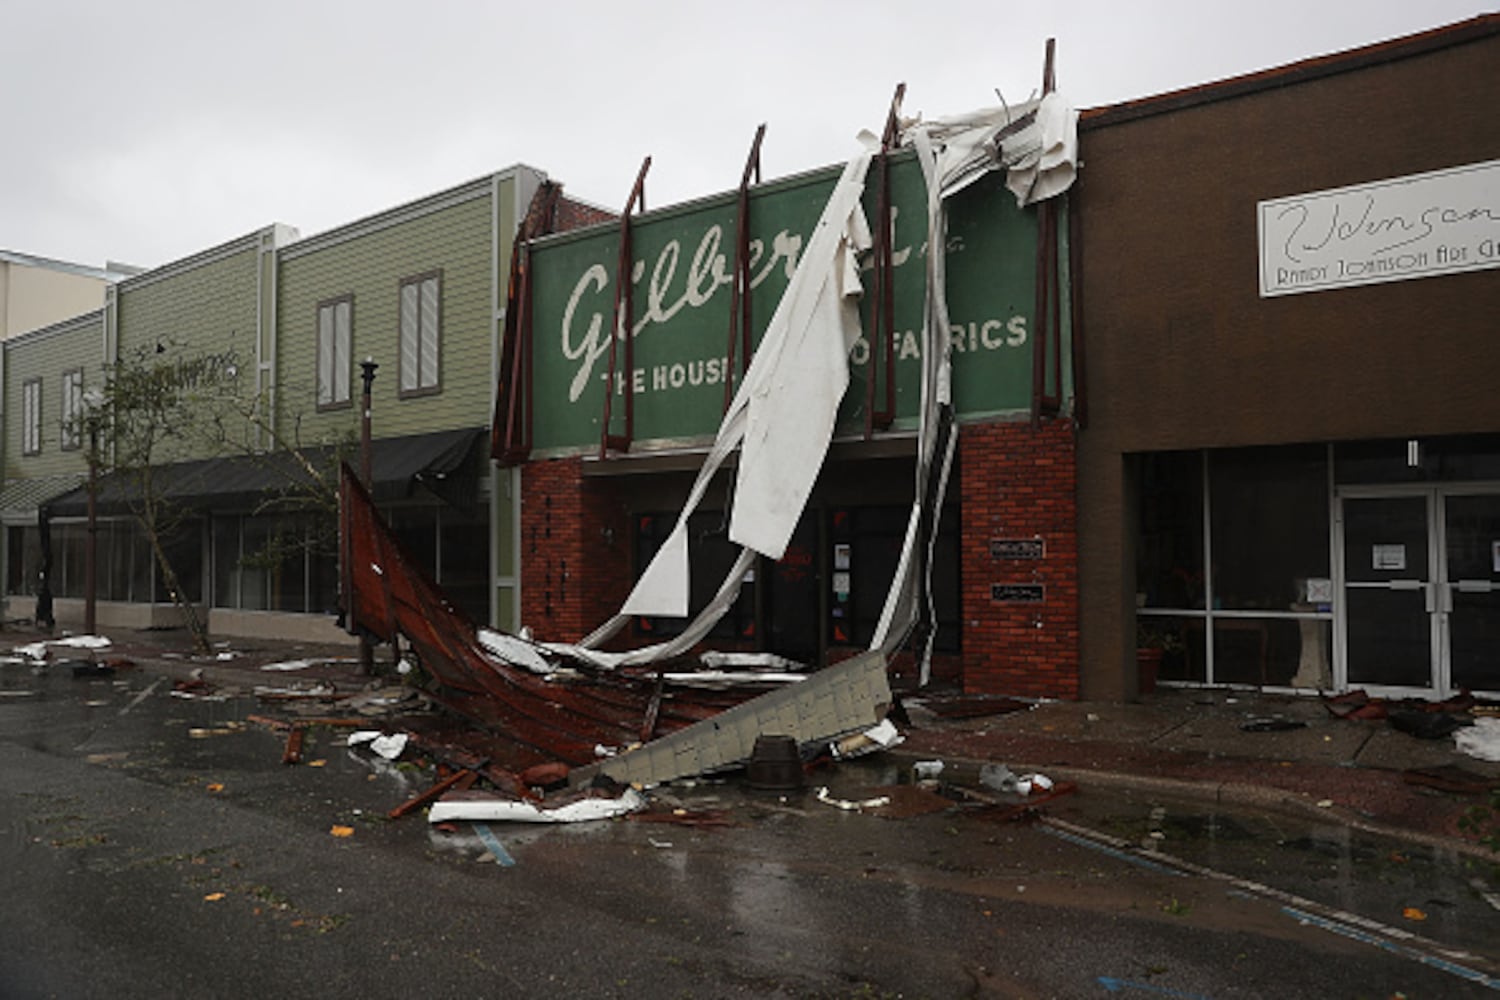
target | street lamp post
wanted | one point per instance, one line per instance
(366, 474)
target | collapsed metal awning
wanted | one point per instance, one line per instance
(445, 464)
(578, 715)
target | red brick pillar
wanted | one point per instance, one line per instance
(575, 550)
(1017, 483)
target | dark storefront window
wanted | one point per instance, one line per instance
(1270, 526)
(24, 555)
(866, 549)
(453, 548)
(464, 544)
(1254, 606)
(1169, 549)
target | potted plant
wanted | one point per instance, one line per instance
(1153, 640)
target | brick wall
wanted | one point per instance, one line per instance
(575, 551)
(1019, 483)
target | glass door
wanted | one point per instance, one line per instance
(1469, 598)
(1391, 636)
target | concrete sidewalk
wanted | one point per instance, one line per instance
(1227, 746)
(1175, 742)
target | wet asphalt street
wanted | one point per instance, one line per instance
(152, 846)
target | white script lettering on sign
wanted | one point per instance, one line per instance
(1418, 226)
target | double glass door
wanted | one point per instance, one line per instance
(1421, 588)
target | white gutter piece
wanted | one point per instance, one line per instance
(487, 808)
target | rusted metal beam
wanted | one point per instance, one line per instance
(739, 295)
(882, 344)
(623, 327)
(511, 428)
(419, 800)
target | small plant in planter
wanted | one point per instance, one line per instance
(1154, 641)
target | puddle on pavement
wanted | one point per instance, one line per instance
(1431, 891)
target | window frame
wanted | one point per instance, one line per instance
(334, 401)
(423, 383)
(70, 434)
(31, 416)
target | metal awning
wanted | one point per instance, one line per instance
(443, 463)
(20, 499)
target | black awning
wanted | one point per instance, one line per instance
(444, 463)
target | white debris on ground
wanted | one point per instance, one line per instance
(1481, 740)
(40, 650)
(487, 808)
(389, 747)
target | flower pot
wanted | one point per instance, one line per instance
(1147, 664)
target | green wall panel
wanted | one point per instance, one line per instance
(683, 259)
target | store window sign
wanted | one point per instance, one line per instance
(1417, 226)
(1390, 558)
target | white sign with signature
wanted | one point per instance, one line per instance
(1417, 226)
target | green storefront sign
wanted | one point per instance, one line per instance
(684, 259)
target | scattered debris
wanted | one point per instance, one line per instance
(341, 831)
(685, 817)
(851, 805)
(492, 843)
(388, 746)
(927, 770)
(578, 808)
(1482, 740)
(1271, 724)
(293, 752)
(882, 736)
(42, 649)
(906, 801)
(1412, 913)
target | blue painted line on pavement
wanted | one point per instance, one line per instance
(1365, 937)
(1121, 985)
(1113, 852)
(493, 843)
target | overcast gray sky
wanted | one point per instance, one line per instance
(145, 131)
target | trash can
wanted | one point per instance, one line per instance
(775, 764)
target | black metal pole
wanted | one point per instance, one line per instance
(366, 474)
(91, 549)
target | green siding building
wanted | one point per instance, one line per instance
(285, 322)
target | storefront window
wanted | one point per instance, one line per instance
(1169, 548)
(866, 550)
(184, 551)
(1270, 526)
(24, 554)
(464, 543)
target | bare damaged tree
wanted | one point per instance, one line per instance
(136, 423)
(161, 405)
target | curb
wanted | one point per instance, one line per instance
(1228, 793)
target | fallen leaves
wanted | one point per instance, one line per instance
(342, 831)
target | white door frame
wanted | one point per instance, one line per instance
(1435, 582)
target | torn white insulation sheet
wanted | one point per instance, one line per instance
(1039, 140)
(492, 809)
(514, 650)
(804, 354)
